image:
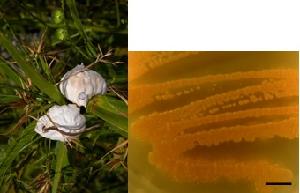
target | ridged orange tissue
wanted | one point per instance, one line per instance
(213, 117)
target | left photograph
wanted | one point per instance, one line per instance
(63, 96)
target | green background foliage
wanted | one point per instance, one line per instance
(39, 42)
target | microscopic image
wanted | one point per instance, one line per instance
(213, 122)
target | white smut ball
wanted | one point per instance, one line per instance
(80, 84)
(61, 122)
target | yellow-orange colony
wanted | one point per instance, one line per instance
(206, 122)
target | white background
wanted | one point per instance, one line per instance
(214, 25)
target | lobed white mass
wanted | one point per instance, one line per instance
(63, 121)
(80, 84)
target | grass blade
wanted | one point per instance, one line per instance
(6, 98)
(46, 87)
(112, 105)
(61, 161)
(112, 111)
(75, 16)
(9, 73)
(15, 148)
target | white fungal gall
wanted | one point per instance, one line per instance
(61, 123)
(80, 84)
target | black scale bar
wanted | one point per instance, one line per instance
(279, 183)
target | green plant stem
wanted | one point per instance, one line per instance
(61, 161)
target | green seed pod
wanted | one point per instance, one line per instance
(58, 16)
(61, 34)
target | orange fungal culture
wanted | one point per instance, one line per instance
(190, 118)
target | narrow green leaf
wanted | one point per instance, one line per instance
(119, 79)
(112, 111)
(117, 13)
(15, 148)
(61, 161)
(44, 66)
(8, 72)
(112, 105)
(75, 16)
(6, 98)
(124, 133)
(46, 87)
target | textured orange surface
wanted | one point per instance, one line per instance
(213, 116)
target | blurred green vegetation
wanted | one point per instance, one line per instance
(40, 40)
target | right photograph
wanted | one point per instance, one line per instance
(213, 122)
